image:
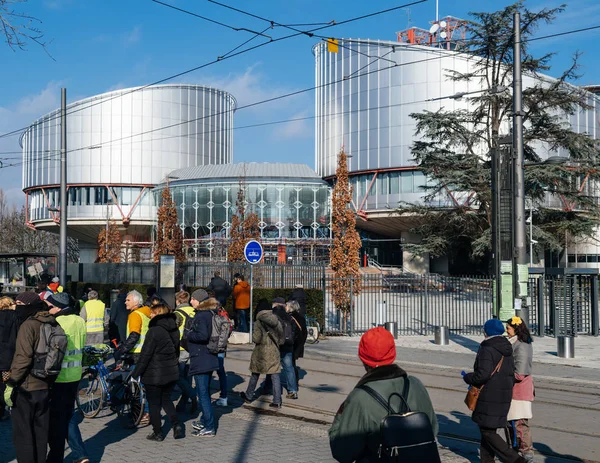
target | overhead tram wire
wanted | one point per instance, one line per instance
(236, 29)
(223, 57)
(293, 93)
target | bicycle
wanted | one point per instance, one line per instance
(99, 387)
(314, 329)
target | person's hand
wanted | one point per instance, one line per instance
(8, 396)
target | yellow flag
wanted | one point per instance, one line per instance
(332, 45)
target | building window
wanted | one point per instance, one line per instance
(100, 195)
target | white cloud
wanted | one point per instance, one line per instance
(252, 87)
(301, 128)
(133, 36)
(17, 116)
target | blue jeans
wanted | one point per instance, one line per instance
(222, 376)
(203, 390)
(288, 372)
(78, 450)
(184, 383)
(271, 379)
(241, 316)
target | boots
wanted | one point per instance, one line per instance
(178, 431)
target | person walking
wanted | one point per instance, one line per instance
(117, 326)
(28, 395)
(79, 452)
(521, 410)
(158, 367)
(8, 342)
(286, 349)
(494, 370)
(355, 434)
(265, 360)
(293, 308)
(184, 314)
(202, 362)
(299, 295)
(93, 313)
(64, 390)
(241, 297)
(221, 288)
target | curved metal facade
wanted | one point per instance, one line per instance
(370, 115)
(120, 144)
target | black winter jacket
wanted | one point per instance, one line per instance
(158, 363)
(118, 319)
(301, 335)
(8, 337)
(221, 289)
(495, 397)
(299, 296)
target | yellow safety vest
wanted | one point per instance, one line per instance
(74, 328)
(94, 311)
(191, 313)
(145, 322)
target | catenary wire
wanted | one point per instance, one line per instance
(236, 29)
(226, 56)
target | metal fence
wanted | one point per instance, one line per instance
(416, 303)
(199, 274)
(565, 305)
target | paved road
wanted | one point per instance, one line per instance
(244, 435)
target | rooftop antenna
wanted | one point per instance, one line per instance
(408, 19)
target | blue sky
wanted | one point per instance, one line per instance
(103, 45)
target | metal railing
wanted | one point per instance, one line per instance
(417, 303)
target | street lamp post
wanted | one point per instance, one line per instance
(109, 203)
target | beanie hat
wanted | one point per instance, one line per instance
(60, 300)
(200, 295)
(279, 300)
(377, 347)
(55, 280)
(493, 327)
(28, 297)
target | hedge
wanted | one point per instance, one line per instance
(314, 297)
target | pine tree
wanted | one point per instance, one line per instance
(344, 252)
(169, 239)
(455, 147)
(244, 226)
(109, 244)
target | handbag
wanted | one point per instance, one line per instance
(473, 392)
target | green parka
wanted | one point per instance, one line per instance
(354, 434)
(267, 334)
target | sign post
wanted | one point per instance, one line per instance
(253, 252)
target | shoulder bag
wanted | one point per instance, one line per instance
(473, 393)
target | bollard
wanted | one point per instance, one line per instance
(442, 335)
(392, 327)
(565, 347)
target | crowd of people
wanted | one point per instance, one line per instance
(182, 346)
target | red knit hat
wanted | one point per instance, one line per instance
(377, 347)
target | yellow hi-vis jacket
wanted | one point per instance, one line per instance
(74, 328)
(145, 319)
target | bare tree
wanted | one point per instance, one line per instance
(19, 28)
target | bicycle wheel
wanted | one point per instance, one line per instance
(131, 411)
(90, 394)
(313, 334)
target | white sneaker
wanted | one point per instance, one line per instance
(222, 402)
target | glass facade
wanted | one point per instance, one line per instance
(288, 211)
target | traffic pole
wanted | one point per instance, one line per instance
(62, 253)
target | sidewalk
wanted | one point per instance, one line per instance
(587, 348)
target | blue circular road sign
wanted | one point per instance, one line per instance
(253, 252)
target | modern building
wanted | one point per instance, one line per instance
(121, 144)
(370, 117)
(291, 201)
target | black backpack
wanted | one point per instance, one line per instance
(49, 351)
(188, 323)
(405, 435)
(289, 333)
